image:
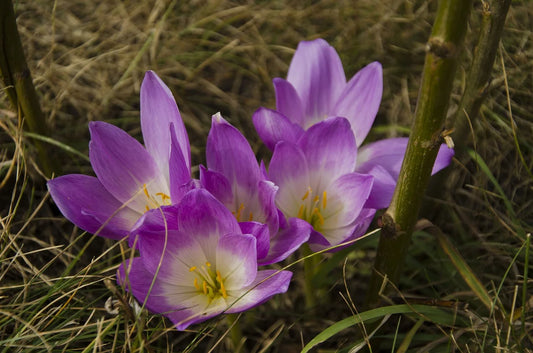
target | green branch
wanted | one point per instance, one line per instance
(444, 47)
(18, 81)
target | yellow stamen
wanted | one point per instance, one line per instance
(315, 200)
(307, 193)
(251, 218)
(238, 213)
(192, 269)
(324, 199)
(316, 212)
(204, 285)
(196, 285)
(145, 190)
(301, 212)
(222, 289)
(208, 264)
(147, 208)
(164, 197)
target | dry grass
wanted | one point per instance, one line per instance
(88, 60)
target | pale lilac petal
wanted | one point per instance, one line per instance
(444, 158)
(261, 234)
(346, 198)
(154, 223)
(317, 75)
(330, 150)
(266, 284)
(288, 170)
(158, 112)
(121, 163)
(205, 218)
(387, 153)
(179, 170)
(382, 189)
(229, 153)
(266, 196)
(158, 297)
(217, 185)
(360, 100)
(288, 102)
(85, 202)
(237, 260)
(273, 127)
(287, 241)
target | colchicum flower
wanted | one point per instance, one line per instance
(130, 179)
(317, 183)
(235, 178)
(199, 265)
(316, 89)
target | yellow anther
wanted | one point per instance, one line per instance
(316, 212)
(204, 285)
(315, 200)
(301, 212)
(147, 208)
(196, 285)
(192, 269)
(222, 290)
(324, 199)
(307, 193)
(164, 197)
(219, 277)
(208, 264)
(145, 190)
(251, 218)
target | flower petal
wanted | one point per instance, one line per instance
(122, 164)
(217, 185)
(317, 75)
(345, 200)
(288, 102)
(288, 170)
(236, 260)
(158, 112)
(154, 223)
(330, 151)
(179, 169)
(382, 189)
(273, 127)
(229, 153)
(266, 284)
(360, 100)
(84, 201)
(287, 241)
(261, 234)
(444, 158)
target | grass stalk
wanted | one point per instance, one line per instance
(18, 82)
(444, 47)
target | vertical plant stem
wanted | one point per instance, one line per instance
(444, 47)
(477, 84)
(235, 331)
(310, 267)
(18, 81)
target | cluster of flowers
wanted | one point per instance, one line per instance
(200, 241)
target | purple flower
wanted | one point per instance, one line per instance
(130, 179)
(317, 183)
(235, 178)
(200, 266)
(315, 90)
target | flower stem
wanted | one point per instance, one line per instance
(235, 331)
(444, 47)
(310, 267)
(18, 81)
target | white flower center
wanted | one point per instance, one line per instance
(208, 282)
(312, 207)
(156, 200)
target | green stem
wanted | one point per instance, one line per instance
(444, 47)
(477, 83)
(235, 331)
(18, 81)
(310, 267)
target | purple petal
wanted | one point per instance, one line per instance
(237, 260)
(156, 295)
(444, 158)
(202, 216)
(217, 185)
(287, 241)
(179, 170)
(229, 153)
(382, 189)
(389, 154)
(261, 234)
(121, 164)
(317, 75)
(155, 222)
(288, 102)
(266, 198)
(330, 150)
(345, 200)
(273, 127)
(266, 284)
(85, 202)
(288, 170)
(360, 99)
(158, 112)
